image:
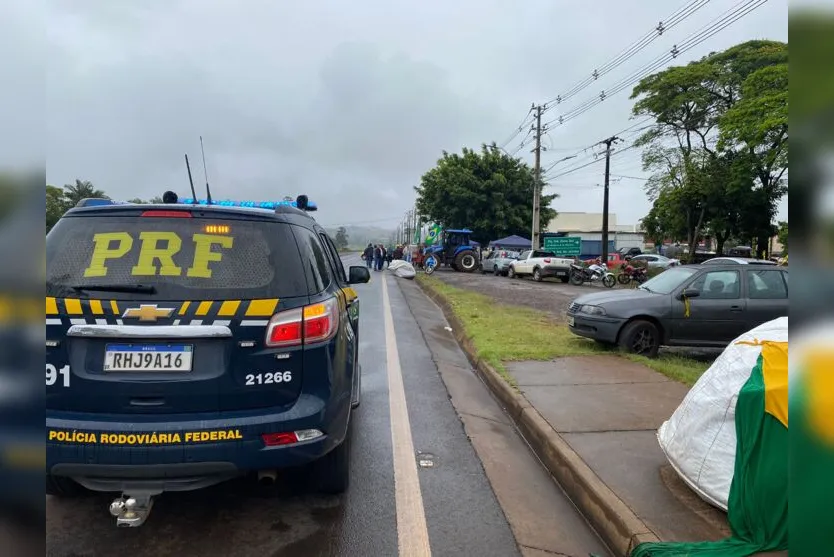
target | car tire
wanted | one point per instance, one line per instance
(640, 337)
(495, 271)
(564, 279)
(332, 472)
(64, 488)
(511, 273)
(537, 275)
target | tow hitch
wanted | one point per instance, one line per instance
(131, 510)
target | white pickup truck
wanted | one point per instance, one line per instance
(540, 264)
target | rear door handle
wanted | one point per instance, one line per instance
(735, 308)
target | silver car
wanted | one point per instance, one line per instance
(653, 261)
(498, 262)
(737, 261)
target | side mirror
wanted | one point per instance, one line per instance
(358, 275)
(690, 293)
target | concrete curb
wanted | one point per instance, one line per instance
(619, 527)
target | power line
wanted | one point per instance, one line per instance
(572, 170)
(518, 129)
(632, 129)
(664, 25)
(729, 17)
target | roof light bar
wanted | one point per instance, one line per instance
(311, 206)
(99, 201)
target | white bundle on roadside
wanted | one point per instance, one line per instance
(402, 269)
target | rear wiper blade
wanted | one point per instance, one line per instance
(140, 288)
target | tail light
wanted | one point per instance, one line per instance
(306, 325)
(547, 260)
(167, 214)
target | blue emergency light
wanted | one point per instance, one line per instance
(99, 201)
(272, 205)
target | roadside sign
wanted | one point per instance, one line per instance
(564, 246)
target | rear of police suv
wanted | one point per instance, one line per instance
(187, 345)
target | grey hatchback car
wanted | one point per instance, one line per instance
(691, 305)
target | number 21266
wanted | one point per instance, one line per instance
(268, 378)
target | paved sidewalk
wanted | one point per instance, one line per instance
(608, 409)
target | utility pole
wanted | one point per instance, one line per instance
(537, 186)
(607, 142)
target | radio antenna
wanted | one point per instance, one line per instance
(190, 179)
(205, 171)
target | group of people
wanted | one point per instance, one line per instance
(377, 256)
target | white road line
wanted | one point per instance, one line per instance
(412, 532)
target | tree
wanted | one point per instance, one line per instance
(341, 238)
(782, 235)
(80, 190)
(487, 191)
(724, 119)
(56, 205)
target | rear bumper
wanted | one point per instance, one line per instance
(180, 454)
(555, 271)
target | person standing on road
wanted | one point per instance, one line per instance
(378, 254)
(368, 255)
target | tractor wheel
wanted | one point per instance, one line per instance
(466, 261)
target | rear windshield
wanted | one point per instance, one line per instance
(172, 259)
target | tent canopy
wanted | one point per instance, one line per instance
(511, 242)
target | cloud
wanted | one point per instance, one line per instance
(349, 103)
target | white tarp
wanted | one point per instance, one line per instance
(402, 269)
(700, 438)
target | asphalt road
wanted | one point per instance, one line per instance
(437, 469)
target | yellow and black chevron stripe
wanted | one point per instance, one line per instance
(60, 311)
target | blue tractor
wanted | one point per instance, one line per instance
(455, 250)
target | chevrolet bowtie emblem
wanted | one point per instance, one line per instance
(147, 312)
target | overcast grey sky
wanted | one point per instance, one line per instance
(349, 102)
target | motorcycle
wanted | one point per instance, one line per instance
(631, 273)
(593, 273)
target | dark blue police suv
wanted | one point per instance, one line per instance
(191, 343)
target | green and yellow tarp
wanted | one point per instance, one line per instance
(758, 500)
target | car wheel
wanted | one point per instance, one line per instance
(332, 472)
(495, 271)
(537, 274)
(564, 279)
(640, 337)
(511, 272)
(64, 488)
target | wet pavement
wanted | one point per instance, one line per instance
(473, 497)
(608, 410)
